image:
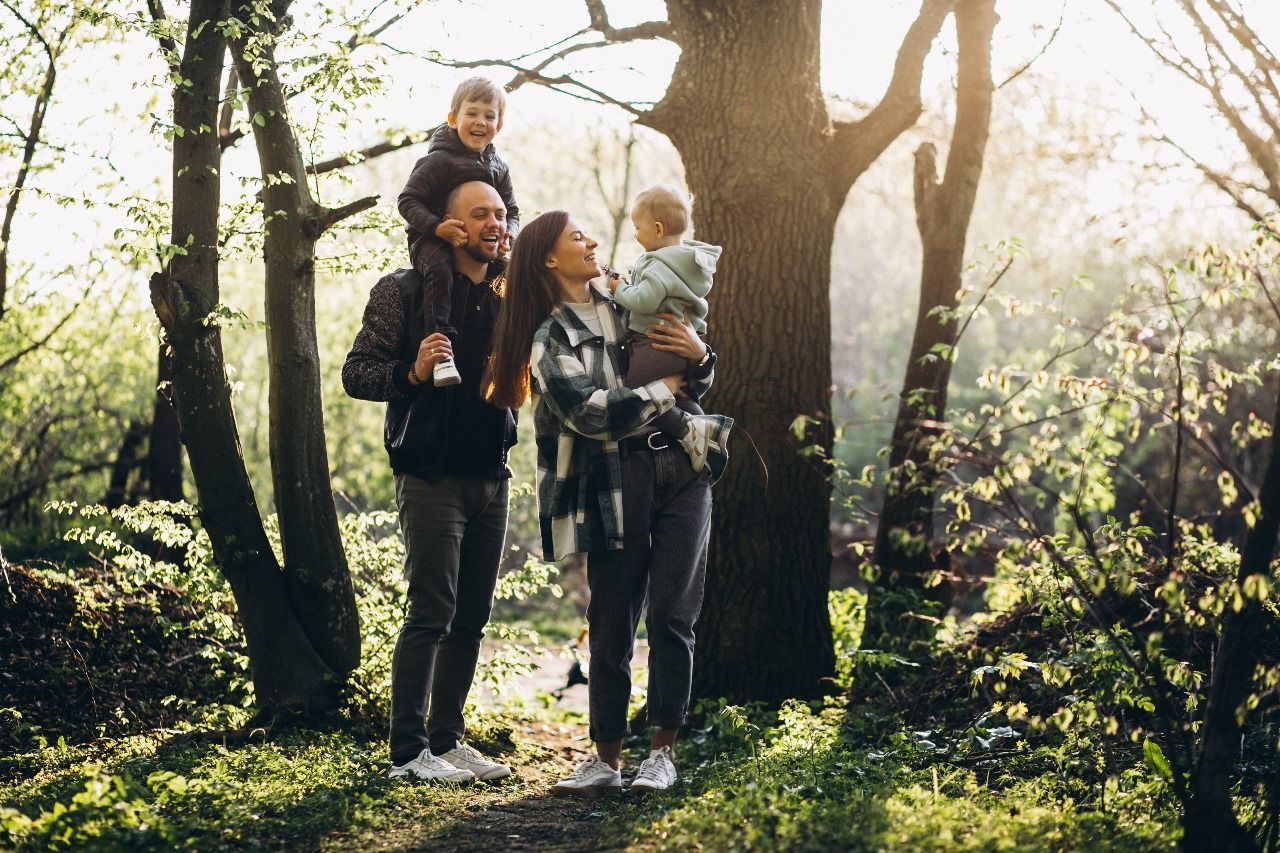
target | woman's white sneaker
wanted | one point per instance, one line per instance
(589, 779)
(466, 757)
(429, 768)
(656, 773)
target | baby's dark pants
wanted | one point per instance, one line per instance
(649, 365)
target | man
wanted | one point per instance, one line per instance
(448, 448)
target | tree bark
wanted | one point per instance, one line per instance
(746, 112)
(287, 672)
(1209, 821)
(903, 549)
(164, 447)
(315, 565)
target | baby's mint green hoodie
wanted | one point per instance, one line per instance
(672, 278)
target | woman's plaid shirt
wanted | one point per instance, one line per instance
(581, 411)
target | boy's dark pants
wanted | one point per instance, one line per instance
(453, 529)
(666, 527)
(433, 259)
(649, 365)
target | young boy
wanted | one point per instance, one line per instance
(673, 275)
(459, 152)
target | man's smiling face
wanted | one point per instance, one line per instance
(484, 218)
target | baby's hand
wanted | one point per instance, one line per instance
(451, 231)
(612, 278)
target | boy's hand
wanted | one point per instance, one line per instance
(504, 248)
(451, 231)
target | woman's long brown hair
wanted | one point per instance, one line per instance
(530, 294)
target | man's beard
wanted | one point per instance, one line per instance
(479, 251)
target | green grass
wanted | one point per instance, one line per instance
(802, 779)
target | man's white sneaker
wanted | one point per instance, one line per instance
(589, 779)
(656, 773)
(466, 757)
(444, 373)
(429, 768)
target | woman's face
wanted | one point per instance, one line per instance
(573, 257)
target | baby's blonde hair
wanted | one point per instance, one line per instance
(480, 89)
(665, 204)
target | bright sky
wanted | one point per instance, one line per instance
(1093, 57)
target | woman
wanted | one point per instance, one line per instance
(608, 484)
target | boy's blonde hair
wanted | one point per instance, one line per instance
(479, 89)
(665, 204)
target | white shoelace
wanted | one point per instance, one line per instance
(653, 769)
(584, 768)
(469, 752)
(432, 762)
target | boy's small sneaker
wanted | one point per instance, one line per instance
(591, 778)
(706, 442)
(429, 768)
(444, 373)
(466, 757)
(656, 773)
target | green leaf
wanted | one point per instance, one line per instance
(1154, 757)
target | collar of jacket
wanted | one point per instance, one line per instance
(445, 138)
(576, 330)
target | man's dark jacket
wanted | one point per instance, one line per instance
(447, 164)
(430, 431)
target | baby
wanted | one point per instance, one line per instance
(460, 151)
(673, 275)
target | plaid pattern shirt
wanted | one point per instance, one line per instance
(581, 411)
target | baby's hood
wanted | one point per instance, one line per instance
(694, 262)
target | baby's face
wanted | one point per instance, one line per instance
(477, 123)
(648, 233)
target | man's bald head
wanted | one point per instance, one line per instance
(466, 195)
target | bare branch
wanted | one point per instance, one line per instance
(31, 28)
(854, 146)
(351, 159)
(333, 215)
(1062, 15)
(35, 345)
(167, 44)
(600, 23)
(31, 141)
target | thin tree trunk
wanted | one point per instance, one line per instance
(1210, 821)
(126, 463)
(287, 672)
(315, 565)
(903, 551)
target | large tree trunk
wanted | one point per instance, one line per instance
(287, 672)
(903, 550)
(1209, 821)
(315, 565)
(769, 176)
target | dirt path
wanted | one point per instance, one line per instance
(518, 814)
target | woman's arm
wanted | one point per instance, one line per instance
(603, 414)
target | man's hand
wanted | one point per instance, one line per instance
(434, 349)
(452, 232)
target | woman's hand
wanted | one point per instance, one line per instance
(434, 349)
(678, 337)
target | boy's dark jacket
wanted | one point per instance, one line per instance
(447, 164)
